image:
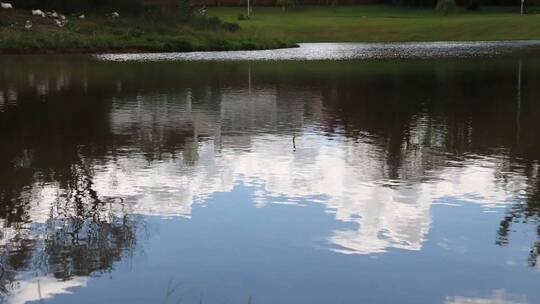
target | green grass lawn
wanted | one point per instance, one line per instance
(377, 23)
(97, 33)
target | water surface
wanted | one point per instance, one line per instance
(352, 181)
(347, 51)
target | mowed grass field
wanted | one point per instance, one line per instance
(379, 23)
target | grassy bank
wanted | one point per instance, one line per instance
(377, 23)
(269, 27)
(97, 33)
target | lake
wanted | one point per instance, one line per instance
(277, 177)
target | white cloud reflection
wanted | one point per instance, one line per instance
(498, 297)
(43, 288)
(348, 175)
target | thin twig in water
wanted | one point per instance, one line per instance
(170, 290)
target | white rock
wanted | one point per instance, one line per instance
(28, 25)
(82, 16)
(61, 22)
(115, 15)
(38, 13)
(6, 5)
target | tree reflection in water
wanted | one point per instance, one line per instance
(527, 211)
(53, 221)
(82, 235)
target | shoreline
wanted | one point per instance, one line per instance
(347, 51)
(502, 46)
(101, 51)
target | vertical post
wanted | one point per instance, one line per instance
(522, 2)
(249, 9)
(518, 107)
(249, 78)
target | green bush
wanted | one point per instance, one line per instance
(446, 7)
(212, 23)
(231, 26)
(242, 17)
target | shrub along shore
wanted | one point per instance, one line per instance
(220, 28)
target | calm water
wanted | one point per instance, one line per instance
(354, 181)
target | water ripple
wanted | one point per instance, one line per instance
(343, 51)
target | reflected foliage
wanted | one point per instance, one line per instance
(527, 212)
